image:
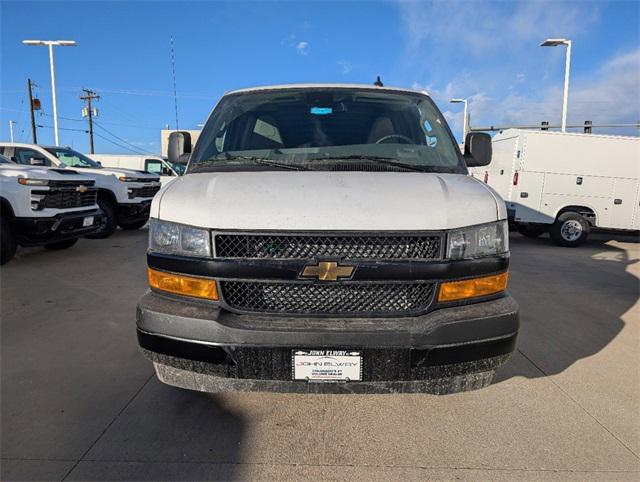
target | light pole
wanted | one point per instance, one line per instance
(11, 130)
(51, 44)
(464, 121)
(555, 42)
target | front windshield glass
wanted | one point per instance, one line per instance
(327, 129)
(72, 158)
(4, 160)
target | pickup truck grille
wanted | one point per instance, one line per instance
(368, 299)
(344, 246)
(147, 191)
(64, 197)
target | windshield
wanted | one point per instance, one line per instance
(179, 168)
(327, 129)
(4, 160)
(72, 158)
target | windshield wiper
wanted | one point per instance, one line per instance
(257, 160)
(375, 159)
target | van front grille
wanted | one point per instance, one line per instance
(343, 246)
(345, 298)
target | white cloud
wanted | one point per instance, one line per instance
(302, 48)
(345, 67)
(611, 94)
(475, 26)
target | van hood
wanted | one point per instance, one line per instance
(348, 201)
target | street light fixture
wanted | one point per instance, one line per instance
(51, 44)
(465, 127)
(555, 42)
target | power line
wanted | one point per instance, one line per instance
(121, 139)
(63, 128)
(116, 144)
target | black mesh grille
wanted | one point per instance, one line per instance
(66, 198)
(341, 246)
(328, 299)
(147, 191)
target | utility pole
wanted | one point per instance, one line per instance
(33, 118)
(88, 97)
(11, 130)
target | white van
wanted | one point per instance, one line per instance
(152, 164)
(328, 238)
(566, 183)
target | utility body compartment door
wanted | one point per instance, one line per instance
(624, 204)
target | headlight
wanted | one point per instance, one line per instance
(478, 241)
(173, 238)
(33, 182)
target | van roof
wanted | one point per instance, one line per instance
(326, 86)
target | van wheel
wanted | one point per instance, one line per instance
(109, 221)
(8, 244)
(133, 224)
(570, 229)
(67, 243)
(531, 230)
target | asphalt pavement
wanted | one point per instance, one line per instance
(79, 402)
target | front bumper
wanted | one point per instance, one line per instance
(201, 347)
(130, 212)
(39, 231)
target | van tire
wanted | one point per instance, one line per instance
(531, 230)
(570, 230)
(8, 244)
(132, 225)
(67, 243)
(109, 220)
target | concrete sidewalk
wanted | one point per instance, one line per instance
(79, 402)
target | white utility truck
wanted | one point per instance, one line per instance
(44, 207)
(328, 238)
(566, 183)
(151, 164)
(124, 195)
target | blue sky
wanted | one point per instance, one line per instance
(485, 51)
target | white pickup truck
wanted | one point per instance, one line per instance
(152, 164)
(40, 206)
(328, 238)
(124, 195)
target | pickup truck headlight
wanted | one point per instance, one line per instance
(478, 241)
(173, 238)
(33, 182)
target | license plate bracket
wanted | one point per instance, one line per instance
(326, 365)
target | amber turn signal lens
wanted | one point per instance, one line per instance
(183, 285)
(472, 288)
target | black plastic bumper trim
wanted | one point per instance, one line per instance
(39, 231)
(290, 270)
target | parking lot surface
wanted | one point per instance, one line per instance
(79, 402)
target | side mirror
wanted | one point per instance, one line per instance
(179, 147)
(37, 161)
(99, 163)
(477, 149)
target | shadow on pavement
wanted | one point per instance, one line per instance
(572, 300)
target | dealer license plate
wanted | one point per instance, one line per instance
(326, 365)
(88, 221)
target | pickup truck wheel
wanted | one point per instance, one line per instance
(531, 230)
(570, 229)
(8, 244)
(109, 221)
(133, 224)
